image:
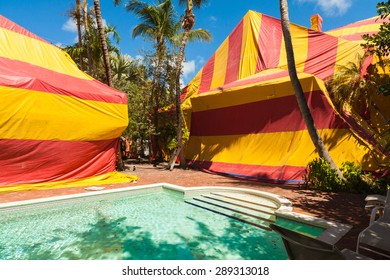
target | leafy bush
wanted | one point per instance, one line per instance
(320, 176)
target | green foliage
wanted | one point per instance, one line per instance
(320, 176)
(380, 43)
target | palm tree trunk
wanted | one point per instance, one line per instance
(306, 114)
(188, 23)
(103, 42)
(86, 34)
(156, 92)
(78, 23)
(179, 150)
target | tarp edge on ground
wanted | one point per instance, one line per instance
(105, 179)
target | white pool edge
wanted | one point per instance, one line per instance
(334, 231)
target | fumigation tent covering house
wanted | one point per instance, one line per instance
(241, 109)
(58, 126)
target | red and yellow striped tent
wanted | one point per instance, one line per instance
(58, 126)
(241, 109)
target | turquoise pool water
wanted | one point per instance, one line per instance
(309, 230)
(156, 225)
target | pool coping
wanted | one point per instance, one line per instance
(333, 231)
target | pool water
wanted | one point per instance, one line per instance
(306, 229)
(153, 226)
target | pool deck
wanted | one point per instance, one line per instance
(339, 207)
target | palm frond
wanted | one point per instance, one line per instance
(201, 35)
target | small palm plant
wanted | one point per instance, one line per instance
(354, 89)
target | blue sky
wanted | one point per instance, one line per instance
(48, 19)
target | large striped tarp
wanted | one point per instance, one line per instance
(58, 126)
(242, 112)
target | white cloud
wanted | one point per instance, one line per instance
(200, 60)
(213, 18)
(60, 45)
(69, 26)
(331, 7)
(139, 58)
(188, 68)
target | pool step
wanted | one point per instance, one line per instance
(248, 198)
(244, 210)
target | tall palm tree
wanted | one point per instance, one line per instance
(187, 23)
(103, 42)
(158, 25)
(306, 114)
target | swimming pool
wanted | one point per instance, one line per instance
(146, 223)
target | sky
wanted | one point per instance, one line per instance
(49, 20)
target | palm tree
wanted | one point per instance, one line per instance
(94, 50)
(187, 23)
(306, 114)
(120, 65)
(349, 86)
(158, 25)
(103, 42)
(353, 92)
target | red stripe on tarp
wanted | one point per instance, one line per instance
(270, 40)
(277, 174)
(322, 54)
(234, 53)
(12, 26)
(19, 74)
(273, 115)
(207, 75)
(36, 161)
(183, 93)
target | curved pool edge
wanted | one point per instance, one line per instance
(333, 231)
(283, 203)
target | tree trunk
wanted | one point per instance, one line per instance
(178, 107)
(103, 42)
(86, 34)
(188, 23)
(306, 114)
(156, 92)
(78, 23)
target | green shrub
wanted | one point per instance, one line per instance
(320, 176)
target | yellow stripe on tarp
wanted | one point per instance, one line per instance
(366, 28)
(192, 90)
(249, 50)
(38, 115)
(23, 48)
(277, 149)
(347, 52)
(220, 65)
(254, 92)
(300, 42)
(105, 179)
